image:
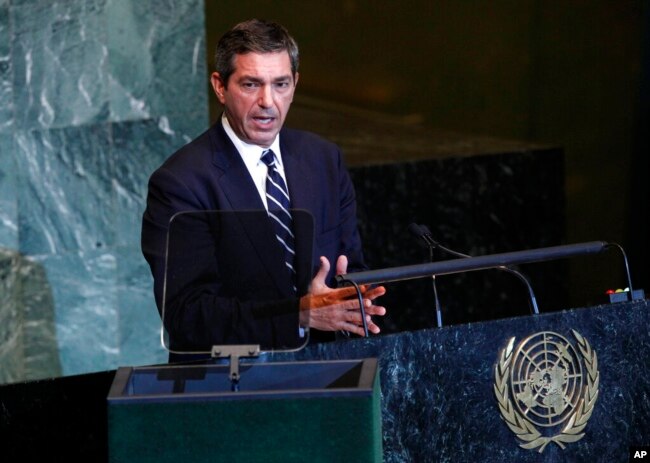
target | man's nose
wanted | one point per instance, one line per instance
(266, 96)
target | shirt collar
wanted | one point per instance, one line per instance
(247, 150)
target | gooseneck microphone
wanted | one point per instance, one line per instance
(423, 233)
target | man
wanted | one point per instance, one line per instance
(255, 283)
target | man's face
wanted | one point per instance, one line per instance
(258, 96)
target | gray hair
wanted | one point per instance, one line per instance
(253, 36)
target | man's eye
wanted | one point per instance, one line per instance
(249, 85)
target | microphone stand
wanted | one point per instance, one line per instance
(632, 294)
(362, 309)
(426, 235)
(431, 244)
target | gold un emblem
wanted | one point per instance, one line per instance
(545, 383)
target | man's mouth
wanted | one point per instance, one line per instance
(263, 120)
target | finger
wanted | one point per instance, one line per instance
(348, 292)
(342, 265)
(341, 294)
(374, 329)
(374, 293)
(357, 327)
(371, 325)
(376, 310)
(323, 270)
(351, 308)
(324, 297)
(353, 328)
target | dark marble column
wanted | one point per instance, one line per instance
(482, 204)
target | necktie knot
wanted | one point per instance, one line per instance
(268, 158)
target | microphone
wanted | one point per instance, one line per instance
(426, 235)
(409, 272)
(419, 232)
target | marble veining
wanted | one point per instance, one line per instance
(157, 77)
(86, 313)
(28, 341)
(66, 179)
(138, 148)
(138, 319)
(59, 61)
(6, 89)
(94, 95)
(438, 400)
(8, 196)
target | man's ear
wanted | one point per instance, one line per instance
(218, 87)
(295, 83)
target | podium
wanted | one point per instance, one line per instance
(438, 387)
(283, 412)
(438, 399)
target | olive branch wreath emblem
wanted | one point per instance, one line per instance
(525, 431)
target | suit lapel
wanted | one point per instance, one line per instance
(301, 188)
(238, 187)
(301, 192)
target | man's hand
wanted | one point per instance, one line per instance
(330, 309)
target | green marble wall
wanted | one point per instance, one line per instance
(94, 94)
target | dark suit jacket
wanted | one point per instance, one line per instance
(225, 278)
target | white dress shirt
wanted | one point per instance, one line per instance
(252, 157)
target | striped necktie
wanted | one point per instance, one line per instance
(277, 199)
